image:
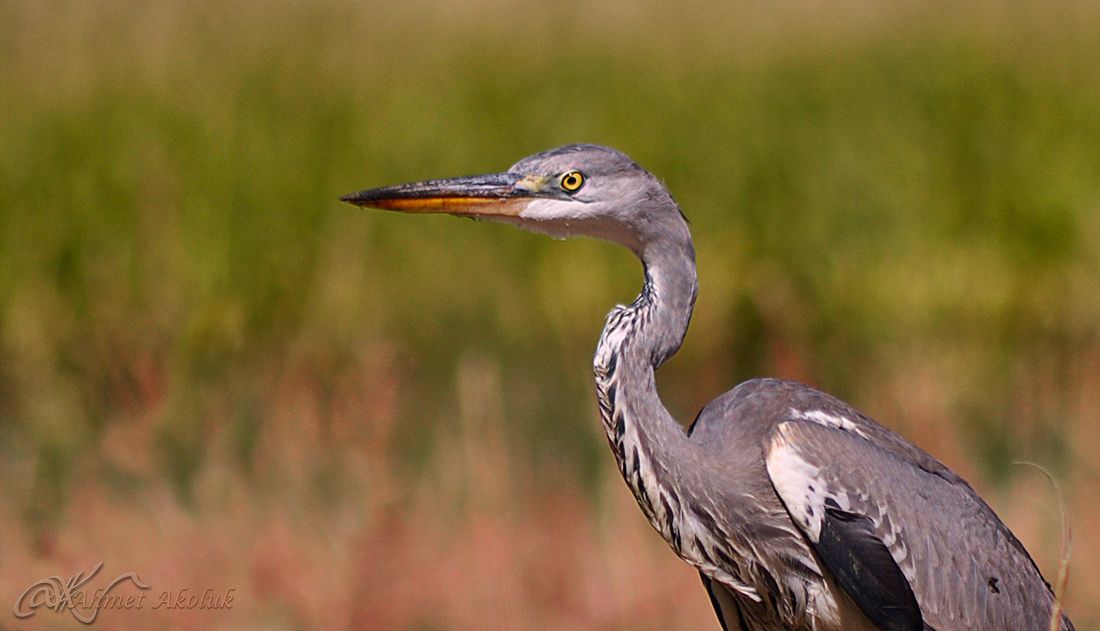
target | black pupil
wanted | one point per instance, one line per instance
(572, 180)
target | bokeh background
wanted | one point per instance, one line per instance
(215, 375)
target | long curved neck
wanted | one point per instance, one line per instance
(638, 338)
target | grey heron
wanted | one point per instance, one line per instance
(799, 512)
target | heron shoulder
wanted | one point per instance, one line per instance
(754, 408)
(750, 411)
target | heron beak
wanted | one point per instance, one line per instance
(498, 194)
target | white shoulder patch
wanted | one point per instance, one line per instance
(828, 420)
(799, 482)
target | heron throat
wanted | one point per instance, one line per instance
(636, 340)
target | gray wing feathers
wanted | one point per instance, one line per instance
(966, 570)
(863, 567)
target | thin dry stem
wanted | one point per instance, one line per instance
(1067, 546)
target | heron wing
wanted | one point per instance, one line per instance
(895, 534)
(863, 567)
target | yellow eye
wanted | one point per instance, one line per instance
(572, 181)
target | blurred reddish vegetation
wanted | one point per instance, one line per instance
(216, 376)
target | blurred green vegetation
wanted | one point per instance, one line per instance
(881, 197)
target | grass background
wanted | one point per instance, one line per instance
(215, 375)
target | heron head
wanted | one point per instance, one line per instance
(575, 190)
